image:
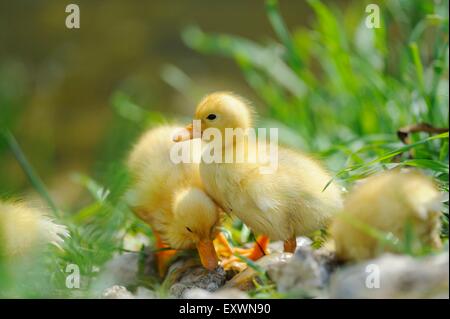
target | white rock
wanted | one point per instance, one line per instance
(144, 293)
(121, 270)
(184, 275)
(306, 272)
(117, 292)
(269, 263)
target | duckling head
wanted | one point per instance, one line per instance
(195, 222)
(220, 110)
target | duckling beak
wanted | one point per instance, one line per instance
(207, 252)
(184, 134)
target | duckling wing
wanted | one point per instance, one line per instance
(263, 195)
(255, 200)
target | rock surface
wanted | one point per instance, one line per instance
(269, 263)
(120, 292)
(120, 270)
(306, 273)
(393, 276)
(117, 292)
(302, 274)
(125, 270)
(309, 273)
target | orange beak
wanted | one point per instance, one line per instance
(207, 252)
(184, 134)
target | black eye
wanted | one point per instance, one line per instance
(188, 229)
(211, 116)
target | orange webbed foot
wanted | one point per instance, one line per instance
(163, 256)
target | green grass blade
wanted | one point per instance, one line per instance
(273, 13)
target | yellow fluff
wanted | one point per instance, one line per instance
(170, 197)
(387, 202)
(22, 229)
(282, 205)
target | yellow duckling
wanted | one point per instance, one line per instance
(170, 198)
(387, 202)
(24, 229)
(282, 205)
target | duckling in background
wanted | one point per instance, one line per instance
(387, 202)
(24, 229)
(170, 198)
(283, 205)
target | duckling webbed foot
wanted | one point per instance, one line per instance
(232, 261)
(163, 255)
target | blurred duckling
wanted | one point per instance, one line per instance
(170, 198)
(24, 229)
(282, 205)
(387, 203)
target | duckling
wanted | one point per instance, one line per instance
(387, 202)
(171, 199)
(283, 205)
(24, 229)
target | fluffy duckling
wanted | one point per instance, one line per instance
(282, 205)
(387, 202)
(170, 198)
(24, 229)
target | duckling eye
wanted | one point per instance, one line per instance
(188, 229)
(211, 117)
